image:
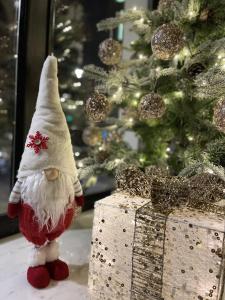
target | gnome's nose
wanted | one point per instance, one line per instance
(51, 174)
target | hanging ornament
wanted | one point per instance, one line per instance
(219, 115)
(167, 40)
(110, 52)
(195, 69)
(206, 187)
(151, 106)
(97, 107)
(91, 136)
(165, 4)
(132, 180)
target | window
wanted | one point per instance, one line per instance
(8, 60)
(76, 42)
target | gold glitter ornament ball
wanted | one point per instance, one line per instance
(151, 106)
(110, 52)
(167, 41)
(132, 180)
(97, 107)
(91, 136)
(219, 115)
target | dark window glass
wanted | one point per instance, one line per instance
(8, 59)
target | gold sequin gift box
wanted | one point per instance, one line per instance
(140, 254)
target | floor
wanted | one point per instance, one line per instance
(75, 248)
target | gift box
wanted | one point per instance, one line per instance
(139, 253)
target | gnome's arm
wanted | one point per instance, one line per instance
(14, 200)
(79, 198)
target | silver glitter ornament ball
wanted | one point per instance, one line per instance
(110, 52)
(151, 106)
(97, 107)
(167, 41)
(219, 115)
(133, 181)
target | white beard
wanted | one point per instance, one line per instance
(49, 199)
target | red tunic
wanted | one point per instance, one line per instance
(30, 228)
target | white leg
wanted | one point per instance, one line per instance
(37, 256)
(52, 251)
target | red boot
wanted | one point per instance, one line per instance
(38, 277)
(58, 269)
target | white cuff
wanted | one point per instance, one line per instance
(52, 251)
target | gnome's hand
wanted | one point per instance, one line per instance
(13, 209)
(79, 200)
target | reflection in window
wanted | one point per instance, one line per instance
(8, 36)
(76, 43)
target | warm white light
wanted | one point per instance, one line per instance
(179, 94)
(66, 51)
(190, 138)
(62, 99)
(134, 8)
(1, 101)
(68, 28)
(72, 106)
(117, 160)
(77, 84)
(80, 164)
(77, 153)
(79, 72)
(137, 94)
(168, 149)
(60, 25)
(141, 56)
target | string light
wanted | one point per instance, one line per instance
(134, 8)
(77, 154)
(79, 72)
(80, 164)
(77, 84)
(179, 94)
(68, 28)
(60, 25)
(190, 138)
(72, 106)
(137, 94)
(62, 99)
(141, 56)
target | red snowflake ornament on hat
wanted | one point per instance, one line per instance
(38, 142)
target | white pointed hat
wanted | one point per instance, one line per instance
(48, 144)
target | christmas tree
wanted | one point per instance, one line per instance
(170, 90)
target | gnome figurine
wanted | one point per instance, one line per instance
(47, 192)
